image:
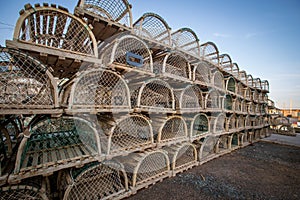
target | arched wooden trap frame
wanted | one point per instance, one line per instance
(237, 105)
(226, 63)
(251, 108)
(256, 135)
(213, 101)
(248, 94)
(218, 80)
(218, 124)
(147, 168)
(265, 86)
(36, 188)
(94, 91)
(209, 52)
(171, 130)
(189, 99)
(26, 85)
(247, 122)
(240, 123)
(254, 122)
(106, 17)
(236, 71)
(153, 28)
(64, 40)
(250, 81)
(228, 103)
(107, 180)
(236, 141)
(186, 40)
(230, 85)
(257, 84)
(255, 96)
(52, 144)
(153, 95)
(281, 120)
(202, 73)
(231, 124)
(240, 89)
(243, 77)
(244, 107)
(182, 157)
(200, 126)
(223, 144)
(125, 51)
(124, 135)
(173, 65)
(208, 149)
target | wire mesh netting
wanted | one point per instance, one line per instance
(219, 123)
(56, 28)
(202, 73)
(182, 156)
(97, 181)
(97, 89)
(235, 140)
(228, 102)
(243, 77)
(208, 147)
(235, 71)
(186, 40)
(24, 82)
(210, 52)
(190, 99)
(117, 11)
(153, 27)
(265, 85)
(213, 100)
(174, 65)
(218, 80)
(232, 122)
(250, 80)
(174, 129)
(231, 85)
(128, 134)
(58, 141)
(223, 143)
(226, 63)
(153, 94)
(126, 50)
(237, 105)
(200, 125)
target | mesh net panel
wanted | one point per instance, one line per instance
(209, 146)
(201, 125)
(131, 133)
(219, 123)
(54, 28)
(173, 129)
(58, 139)
(225, 62)
(187, 40)
(228, 102)
(153, 27)
(101, 89)
(192, 98)
(23, 81)
(20, 193)
(112, 10)
(210, 52)
(219, 80)
(231, 85)
(202, 73)
(213, 100)
(185, 155)
(97, 182)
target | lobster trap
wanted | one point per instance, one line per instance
(230, 85)
(125, 51)
(52, 144)
(186, 40)
(218, 80)
(202, 73)
(154, 29)
(172, 65)
(218, 123)
(26, 85)
(237, 104)
(189, 99)
(228, 103)
(152, 95)
(107, 180)
(226, 63)
(209, 52)
(231, 124)
(200, 126)
(53, 31)
(169, 130)
(124, 134)
(223, 144)
(208, 148)
(236, 140)
(34, 188)
(213, 101)
(106, 17)
(94, 91)
(182, 157)
(147, 168)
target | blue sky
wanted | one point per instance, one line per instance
(262, 36)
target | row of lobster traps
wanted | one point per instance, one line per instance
(122, 176)
(29, 87)
(65, 42)
(50, 144)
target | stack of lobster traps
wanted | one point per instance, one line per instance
(94, 106)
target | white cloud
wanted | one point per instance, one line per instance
(222, 35)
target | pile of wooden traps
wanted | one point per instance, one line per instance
(94, 106)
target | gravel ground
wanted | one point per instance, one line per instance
(259, 171)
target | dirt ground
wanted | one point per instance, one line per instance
(261, 171)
